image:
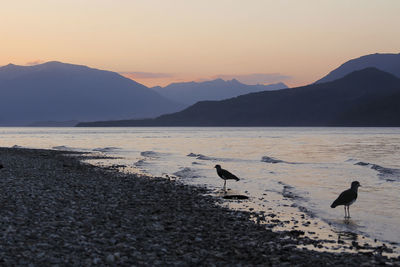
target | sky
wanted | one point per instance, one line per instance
(157, 42)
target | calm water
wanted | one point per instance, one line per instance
(311, 165)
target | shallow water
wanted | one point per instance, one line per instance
(278, 167)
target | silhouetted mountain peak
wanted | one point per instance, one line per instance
(56, 91)
(53, 63)
(51, 70)
(368, 73)
(11, 71)
(234, 81)
(60, 66)
(386, 62)
(367, 76)
(214, 82)
(9, 66)
(178, 84)
(217, 89)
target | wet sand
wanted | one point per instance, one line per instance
(57, 210)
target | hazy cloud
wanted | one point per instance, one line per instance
(147, 75)
(34, 62)
(255, 78)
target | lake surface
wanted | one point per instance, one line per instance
(308, 167)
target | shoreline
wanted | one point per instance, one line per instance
(57, 209)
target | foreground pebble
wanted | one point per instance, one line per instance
(56, 210)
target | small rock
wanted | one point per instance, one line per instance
(110, 258)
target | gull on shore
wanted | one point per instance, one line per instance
(347, 198)
(225, 175)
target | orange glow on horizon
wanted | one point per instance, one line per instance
(198, 40)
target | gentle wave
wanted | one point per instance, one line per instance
(153, 137)
(140, 163)
(203, 157)
(271, 160)
(288, 191)
(388, 174)
(105, 149)
(150, 154)
(62, 148)
(186, 173)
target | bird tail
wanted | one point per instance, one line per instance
(237, 179)
(334, 204)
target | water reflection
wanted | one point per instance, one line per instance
(327, 156)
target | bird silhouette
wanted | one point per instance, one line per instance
(347, 198)
(225, 175)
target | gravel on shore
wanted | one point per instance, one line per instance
(56, 210)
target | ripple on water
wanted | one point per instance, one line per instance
(388, 174)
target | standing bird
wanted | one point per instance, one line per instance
(347, 198)
(224, 174)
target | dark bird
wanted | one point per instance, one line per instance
(347, 198)
(224, 174)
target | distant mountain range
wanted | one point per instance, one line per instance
(189, 93)
(368, 97)
(55, 93)
(59, 94)
(386, 62)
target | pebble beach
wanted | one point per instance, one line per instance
(58, 210)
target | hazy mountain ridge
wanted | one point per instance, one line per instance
(56, 91)
(368, 97)
(189, 93)
(386, 62)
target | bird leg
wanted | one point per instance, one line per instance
(346, 212)
(225, 185)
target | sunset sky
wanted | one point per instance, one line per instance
(161, 41)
